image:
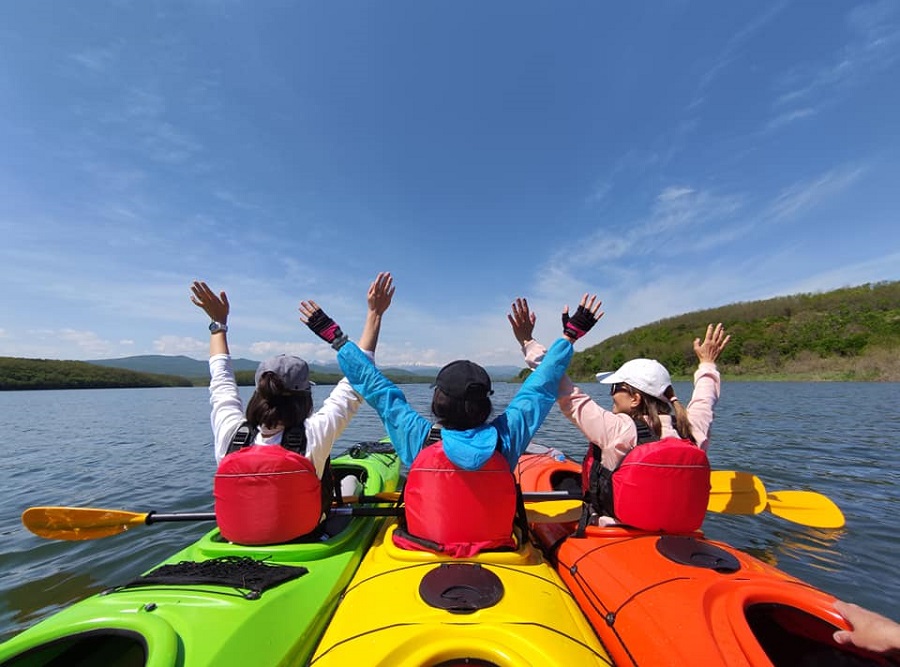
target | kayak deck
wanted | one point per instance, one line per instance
(504, 608)
(658, 599)
(192, 623)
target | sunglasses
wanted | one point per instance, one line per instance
(616, 387)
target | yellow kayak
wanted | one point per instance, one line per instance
(415, 608)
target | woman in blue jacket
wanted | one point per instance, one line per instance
(461, 406)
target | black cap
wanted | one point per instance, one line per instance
(462, 379)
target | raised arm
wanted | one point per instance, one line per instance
(406, 428)
(216, 306)
(522, 320)
(585, 317)
(531, 404)
(715, 341)
(379, 297)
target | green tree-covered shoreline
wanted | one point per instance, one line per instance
(22, 374)
(850, 334)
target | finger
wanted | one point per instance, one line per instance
(224, 298)
(199, 289)
(842, 637)
(584, 298)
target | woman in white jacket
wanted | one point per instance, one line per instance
(282, 398)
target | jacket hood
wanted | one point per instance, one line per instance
(472, 448)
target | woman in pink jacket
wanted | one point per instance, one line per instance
(641, 391)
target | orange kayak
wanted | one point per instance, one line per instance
(656, 599)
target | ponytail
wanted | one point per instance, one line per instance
(680, 420)
(650, 408)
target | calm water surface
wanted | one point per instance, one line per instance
(151, 449)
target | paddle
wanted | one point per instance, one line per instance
(806, 507)
(734, 492)
(90, 523)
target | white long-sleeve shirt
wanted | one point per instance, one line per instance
(323, 427)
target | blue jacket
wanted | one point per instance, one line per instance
(468, 449)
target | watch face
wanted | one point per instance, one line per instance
(217, 326)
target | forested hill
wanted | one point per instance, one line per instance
(18, 373)
(847, 334)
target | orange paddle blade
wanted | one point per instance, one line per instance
(79, 523)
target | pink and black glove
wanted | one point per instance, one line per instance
(578, 324)
(326, 329)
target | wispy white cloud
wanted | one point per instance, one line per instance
(731, 49)
(873, 46)
(674, 192)
(802, 197)
(180, 345)
(789, 117)
(97, 59)
(88, 343)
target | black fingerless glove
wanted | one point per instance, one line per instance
(326, 329)
(578, 324)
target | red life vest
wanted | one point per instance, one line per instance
(454, 511)
(266, 494)
(660, 486)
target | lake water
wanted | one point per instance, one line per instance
(151, 449)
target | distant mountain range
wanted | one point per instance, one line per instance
(194, 368)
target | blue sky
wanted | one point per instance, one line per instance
(669, 156)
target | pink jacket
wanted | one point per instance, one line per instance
(616, 434)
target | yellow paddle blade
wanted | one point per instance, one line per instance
(79, 523)
(734, 492)
(807, 508)
(553, 511)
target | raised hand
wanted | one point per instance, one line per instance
(713, 344)
(214, 305)
(321, 325)
(585, 317)
(381, 291)
(522, 320)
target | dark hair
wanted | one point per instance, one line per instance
(272, 404)
(460, 414)
(651, 408)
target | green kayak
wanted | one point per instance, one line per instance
(215, 603)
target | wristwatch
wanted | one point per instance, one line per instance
(216, 327)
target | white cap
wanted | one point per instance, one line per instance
(646, 375)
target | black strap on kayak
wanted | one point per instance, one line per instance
(250, 577)
(362, 449)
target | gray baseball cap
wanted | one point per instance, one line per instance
(292, 371)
